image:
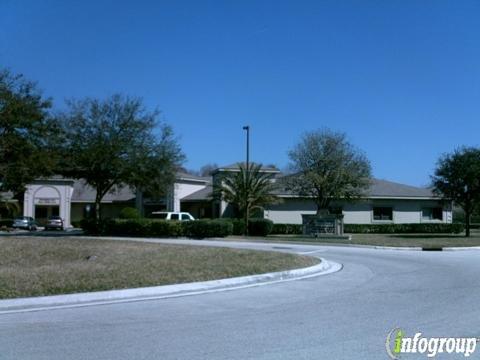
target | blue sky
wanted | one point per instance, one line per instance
(401, 78)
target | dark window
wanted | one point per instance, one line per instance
(174, 217)
(185, 217)
(41, 212)
(437, 213)
(55, 211)
(88, 211)
(432, 213)
(382, 213)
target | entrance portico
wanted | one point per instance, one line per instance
(45, 198)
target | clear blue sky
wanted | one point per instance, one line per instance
(401, 78)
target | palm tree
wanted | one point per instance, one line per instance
(247, 189)
(9, 207)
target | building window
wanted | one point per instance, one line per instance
(435, 213)
(382, 213)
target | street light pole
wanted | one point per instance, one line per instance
(247, 178)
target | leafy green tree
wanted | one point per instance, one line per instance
(325, 166)
(116, 142)
(246, 189)
(208, 169)
(27, 133)
(457, 177)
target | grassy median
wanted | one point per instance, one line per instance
(35, 266)
(396, 240)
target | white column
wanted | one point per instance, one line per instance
(67, 201)
(28, 202)
(176, 198)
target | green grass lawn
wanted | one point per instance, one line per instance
(35, 266)
(397, 240)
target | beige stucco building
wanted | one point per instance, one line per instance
(384, 202)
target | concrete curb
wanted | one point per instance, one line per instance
(461, 248)
(162, 292)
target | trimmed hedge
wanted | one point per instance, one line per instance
(225, 227)
(404, 228)
(77, 223)
(256, 226)
(128, 227)
(90, 226)
(259, 227)
(157, 228)
(296, 229)
(129, 213)
(6, 223)
(207, 228)
(164, 228)
(238, 226)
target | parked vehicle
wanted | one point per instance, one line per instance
(24, 222)
(171, 215)
(54, 223)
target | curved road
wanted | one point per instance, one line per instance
(345, 315)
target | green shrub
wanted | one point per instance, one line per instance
(440, 228)
(129, 213)
(157, 228)
(256, 226)
(91, 227)
(287, 229)
(259, 227)
(6, 222)
(207, 228)
(165, 228)
(77, 223)
(129, 227)
(238, 225)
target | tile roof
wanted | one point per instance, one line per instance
(378, 188)
(203, 194)
(85, 193)
(187, 176)
(384, 188)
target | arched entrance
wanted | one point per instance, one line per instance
(45, 198)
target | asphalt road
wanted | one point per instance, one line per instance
(345, 315)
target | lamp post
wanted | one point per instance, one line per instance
(247, 178)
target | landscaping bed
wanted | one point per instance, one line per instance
(34, 266)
